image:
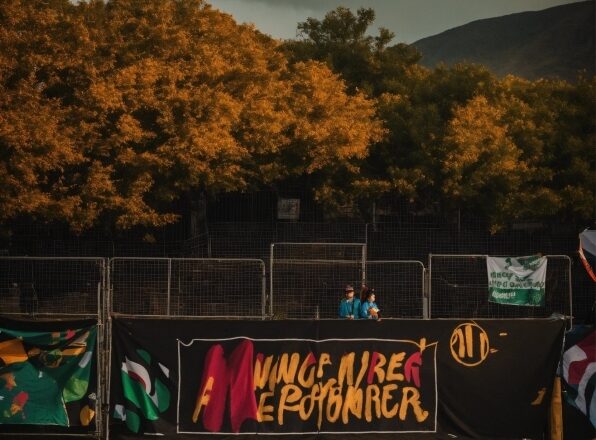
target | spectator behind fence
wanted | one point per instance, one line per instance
(369, 308)
(349, 307)
(28, 298)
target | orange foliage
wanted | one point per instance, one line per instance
(113, 110)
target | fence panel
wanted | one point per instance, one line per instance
(188, 287)
(252, 239)
(399, 287)
(311, 289)
(51, 286)
(58, 287)
(459, 289)
(307, 279)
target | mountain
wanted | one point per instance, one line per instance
(554, 42)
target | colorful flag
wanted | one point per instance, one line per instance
(144, 389)
(578, 368)
(41, 372)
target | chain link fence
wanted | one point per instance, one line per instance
(44, 286)
(458, 286)
(253, 239)
(399, 287)
(307, 280)
(304, 281)
(188, 287)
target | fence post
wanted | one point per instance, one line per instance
(101, 349)
(263, 291)
(271, 280)
(169, 285)
(570, 284)
(428, 290)
(363, 281)
(570, 293)
(108, 347)
(424, 292)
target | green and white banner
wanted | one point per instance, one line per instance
(517, 280)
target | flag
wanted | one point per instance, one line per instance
(41, 372)
(578, 369)
(517, 280)
(144, 386)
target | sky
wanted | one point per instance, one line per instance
(410, 20)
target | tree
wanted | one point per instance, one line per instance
(458, 138)
(366, 63)
(152, 99)
(36, 140)
(553, 123)
(482, 164)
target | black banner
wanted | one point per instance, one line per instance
(393, 379)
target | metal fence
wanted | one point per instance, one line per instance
(310, 289)
(458, 287)
(306, 280)
(58, 287)
(399, 287)
(38, 286)
(253, 239)
(188, 287)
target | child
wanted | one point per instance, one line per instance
(369, 309)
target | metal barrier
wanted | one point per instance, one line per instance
(62, 287)
(51, 286)
(399, 287)
(184, 288)
(458, 288)
(188, 287)
(306, 280)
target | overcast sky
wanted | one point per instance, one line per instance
(410, 20)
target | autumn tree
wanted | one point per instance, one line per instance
(458, 138)
(37, 141)
(122, 107)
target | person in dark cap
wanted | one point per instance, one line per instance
(349, 307)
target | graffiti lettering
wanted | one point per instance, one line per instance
(307, 386)
(469, 344)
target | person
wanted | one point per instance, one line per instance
(369, 308)
(28, 298)
(349, 307)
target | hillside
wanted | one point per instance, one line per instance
(555, 42)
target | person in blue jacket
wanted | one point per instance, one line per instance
(349, 307)
(369, 308)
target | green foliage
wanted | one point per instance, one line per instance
(113, 110)
(366, 62)
(458, 138)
